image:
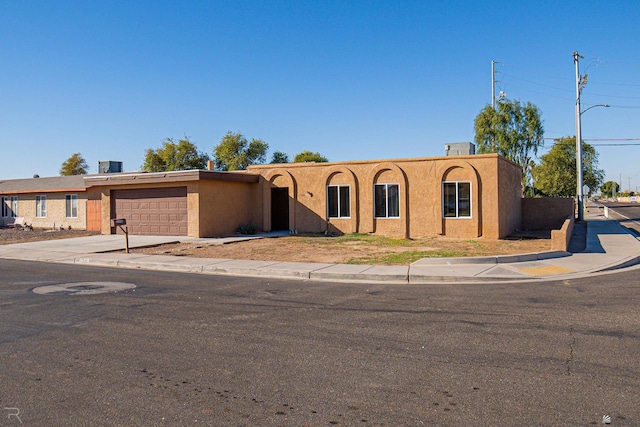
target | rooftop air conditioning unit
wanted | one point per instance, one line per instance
(460, 149)
(109, 166)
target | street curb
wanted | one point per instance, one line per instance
(497, 259)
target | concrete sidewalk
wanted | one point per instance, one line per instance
(608, 246)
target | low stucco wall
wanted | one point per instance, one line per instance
(560, 238)
(546, 213)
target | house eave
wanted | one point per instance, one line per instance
(168, 177)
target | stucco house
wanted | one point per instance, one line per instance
(63, 201)
(461, 196)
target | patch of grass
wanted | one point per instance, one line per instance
(380, 241)
(406, 257)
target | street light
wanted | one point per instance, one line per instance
(594, 106)
(581, 81)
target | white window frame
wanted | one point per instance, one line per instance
(41, 206)
(14, 206)
(71, 204)
(341, 208)
(458, 201)
(386, 200)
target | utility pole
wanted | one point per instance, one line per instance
(493, 84)
(579, 85)
(620, 185)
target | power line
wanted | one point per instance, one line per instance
(537, 84)
(509, 76)
(614, 96)
(610, 139)
(601, 142)
(543, 93)
(615, 145)
(616, 84)
(634, 107)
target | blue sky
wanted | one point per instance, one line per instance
(352, 80)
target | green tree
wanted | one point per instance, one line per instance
(610, 188)
(308, 156)
(174, 156)
(236, 153)
(74, 165)
(555, 176)
(512, 130)
(279, 157)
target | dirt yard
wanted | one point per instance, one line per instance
(352, 249)
(18, 235)
(348, 249)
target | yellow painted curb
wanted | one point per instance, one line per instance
(546, 270)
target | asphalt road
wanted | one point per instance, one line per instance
(628, 214)
(185, 349)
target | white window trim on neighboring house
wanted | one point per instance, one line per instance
(14, 206)
(71, 205)
(456, 200)
(387, 199)
(41, 206)
(342, 208)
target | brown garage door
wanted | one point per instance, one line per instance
(154, 211)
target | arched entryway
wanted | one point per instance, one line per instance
(279, 197)
(279, 208)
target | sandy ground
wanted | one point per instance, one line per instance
(318, 248)
(339, 250)
(18, 235)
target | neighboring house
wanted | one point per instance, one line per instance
(463, 196)
(54, 202)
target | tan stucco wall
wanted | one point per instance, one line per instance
(495, 189)
(223, 207)
(561, 238)
(105, 197)
(546, 213)
(509, 203)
